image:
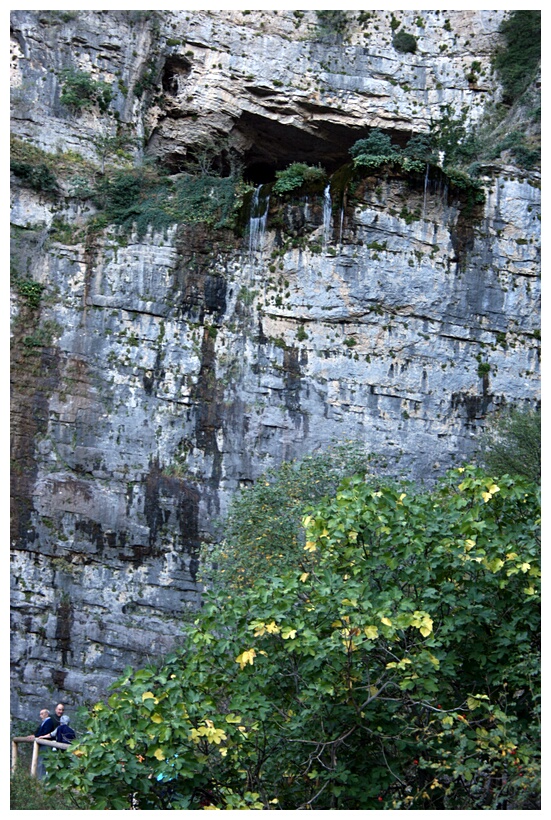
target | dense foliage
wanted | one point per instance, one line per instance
(519, 59)
(397, 669)
(512, 444)
(38, 177)
(262, 529)
(145, 197)
(377, 150)
(404, 42)
(28, 794)
(80, 91)
(297, 175)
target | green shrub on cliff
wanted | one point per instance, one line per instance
(404, 42)
(396, 669)
(79, 91)
(518, 60)
(298, 175)
(147, 198)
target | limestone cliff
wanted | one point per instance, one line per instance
(159, 367)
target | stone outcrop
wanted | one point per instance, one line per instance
(154, 374)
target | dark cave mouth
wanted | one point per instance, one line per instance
(272, 146)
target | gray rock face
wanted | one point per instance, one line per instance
(160, 373)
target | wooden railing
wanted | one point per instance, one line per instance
(36, 744)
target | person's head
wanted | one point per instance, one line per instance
(64, 720)
(59, 709)
(44, 714)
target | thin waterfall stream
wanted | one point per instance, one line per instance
(257, 221)
(327, 216)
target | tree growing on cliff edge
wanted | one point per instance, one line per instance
(398, 669)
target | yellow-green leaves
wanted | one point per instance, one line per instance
(492, 489)
(246, 657)
(371, 632)
(398, 664)
(423, 622)
(474, 701)
(288, 633)
(159, 754)
(209, 732)
(261, 628)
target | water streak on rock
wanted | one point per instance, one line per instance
(257, 222)
(327, 215)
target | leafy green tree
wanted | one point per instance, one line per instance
(263, 527)
(513, 444)
(397, 669)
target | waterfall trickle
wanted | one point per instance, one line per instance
(327, 216)
(425, 189)
(258, 220)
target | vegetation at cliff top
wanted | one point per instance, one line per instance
(396, 668)
(519, 59)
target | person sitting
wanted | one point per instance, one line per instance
(58, 713)
(64, 733)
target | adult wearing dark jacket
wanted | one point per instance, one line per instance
(44, 730)
(64, 733)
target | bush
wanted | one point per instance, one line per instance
(297, 175)
(80, 91)
(404, 43)
(31, 291)
(38, 177)
(376, 144)
(144, 197)
(377, 149)
(421, 147)
(512, 444)
(332, 22)
(30, 794)
(518, 61)
(397, 670)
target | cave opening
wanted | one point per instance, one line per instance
(273, 145)
(175, 70)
